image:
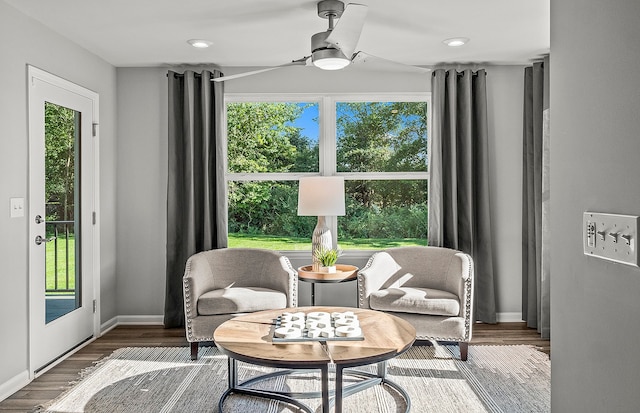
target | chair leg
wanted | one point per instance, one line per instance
(464, 350)
(194, 350)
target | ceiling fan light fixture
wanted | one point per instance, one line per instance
(456, 41)
(329, 59)
(199, 43)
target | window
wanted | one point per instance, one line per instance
(378, 144)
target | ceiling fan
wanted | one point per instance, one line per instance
(334, 49)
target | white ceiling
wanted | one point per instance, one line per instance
(273, 32)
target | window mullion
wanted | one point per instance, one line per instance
(328, 137)
(328, 151)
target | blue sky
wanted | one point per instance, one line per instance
(308, 121)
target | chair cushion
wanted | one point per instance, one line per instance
(240, 300)
(415, 300)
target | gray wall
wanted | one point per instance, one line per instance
(595, 144)
(141, 185)
(141, 190)
(24, 41)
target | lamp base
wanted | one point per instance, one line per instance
(321, 240)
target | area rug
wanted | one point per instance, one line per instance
(508, 379)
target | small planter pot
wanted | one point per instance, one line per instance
(330, 270)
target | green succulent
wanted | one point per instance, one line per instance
(328, 257)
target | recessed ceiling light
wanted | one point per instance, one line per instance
(455, 41)
(199, 43)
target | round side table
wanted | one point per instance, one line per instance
(344, 273)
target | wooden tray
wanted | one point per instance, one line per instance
(343, 272)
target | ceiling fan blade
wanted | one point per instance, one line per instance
(370, 62)
(300, 62)
(346, 34)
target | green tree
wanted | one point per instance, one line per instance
(61, 126)
(258, 136)
(382, 137)
(262, 138)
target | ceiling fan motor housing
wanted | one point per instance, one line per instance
(327, 9)
(321, 49)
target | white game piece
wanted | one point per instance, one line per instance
(314, 332)
(318, 315)
(288, 333)
(298, 317)
(327, 332)
(347, 331)
(324, 324)
(349, 322)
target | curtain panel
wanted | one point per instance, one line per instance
(196, 201)
(535, 200)
(459, 206)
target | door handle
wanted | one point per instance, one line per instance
(39, 219)
(40, 240)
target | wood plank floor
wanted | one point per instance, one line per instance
(55, 381)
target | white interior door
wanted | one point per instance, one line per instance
(62, 230)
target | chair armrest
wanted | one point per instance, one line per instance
(197, 280)
(466, 292)
(379, 269)
(292, 290)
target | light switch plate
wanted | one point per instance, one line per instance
(611, 237)
(17, 207)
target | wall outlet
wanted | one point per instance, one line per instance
(611, 237)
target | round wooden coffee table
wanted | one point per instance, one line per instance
(249, 338)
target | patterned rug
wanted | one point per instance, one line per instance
(508, 379)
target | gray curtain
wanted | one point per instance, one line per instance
(535, 200)
(459, 177)
(196, 202)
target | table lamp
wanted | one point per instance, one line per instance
(322, 196)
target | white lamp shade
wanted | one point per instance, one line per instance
(321, 196)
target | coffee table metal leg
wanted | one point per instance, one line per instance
(313, 294)
(382, 369)
(324, 376)
(233, 373)
(338, 391)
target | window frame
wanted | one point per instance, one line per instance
(327, 141)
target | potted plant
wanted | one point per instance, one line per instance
(328, 258)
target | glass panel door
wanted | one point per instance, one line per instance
(62, 206)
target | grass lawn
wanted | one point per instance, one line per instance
(235, 241)
(62, 263)
(295, 244)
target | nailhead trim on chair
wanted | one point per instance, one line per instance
(468, 285)
(293, 282)
(361, 281)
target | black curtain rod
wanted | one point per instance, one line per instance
(176, 75)
(459, 73)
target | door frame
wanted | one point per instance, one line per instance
(41, 75)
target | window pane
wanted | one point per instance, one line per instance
(381, 136)
(264, 215)
(272, 137)
(384, 214)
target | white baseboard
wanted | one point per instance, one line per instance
(144, 320)
(108, 325)
(14, 384)
(123, 320)
(509, 317)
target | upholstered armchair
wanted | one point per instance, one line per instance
(430, 287)
(221, 284)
